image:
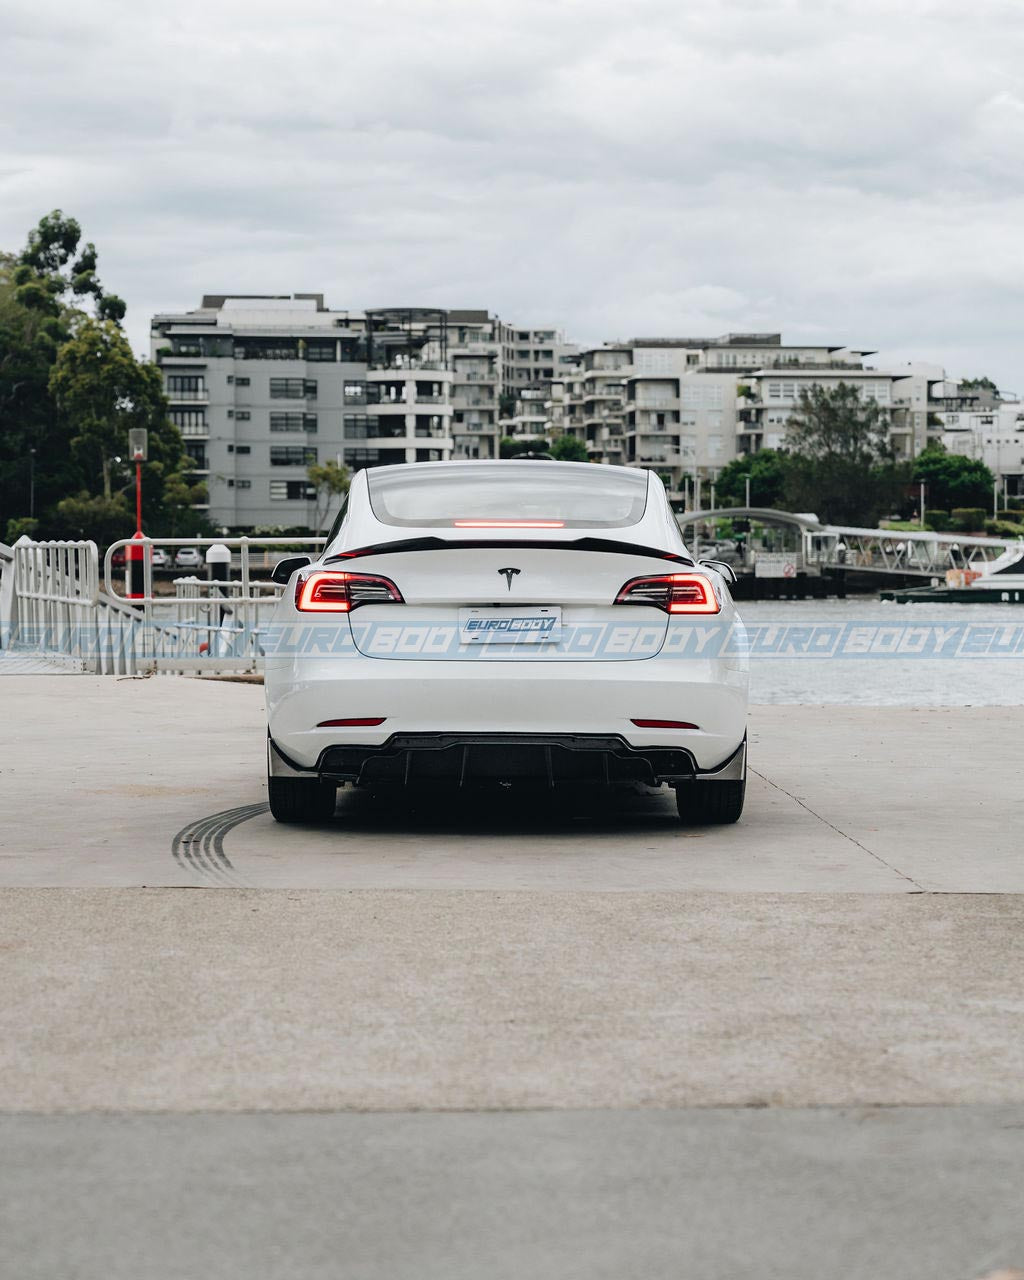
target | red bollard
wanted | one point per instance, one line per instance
(135, 571)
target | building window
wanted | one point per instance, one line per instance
(189, 421)
(355, 393)
(291, 491)
(321, 350)
(243, 484)
(292, 388)
(239, 448)
(361, 457)
(240, 382)
(242, 415)
(293, 422)
(266, 349)
(185, 386)
(291, 455)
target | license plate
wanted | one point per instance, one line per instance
(541, 624)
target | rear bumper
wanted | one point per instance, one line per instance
(463, 759)
(536, 698)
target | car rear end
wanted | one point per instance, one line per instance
(511, 622)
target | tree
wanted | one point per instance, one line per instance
(329, 479)
(41, 291)
(841, 464)
(102, 391)
(83, 516)
(569, 449)
(48, 270)
(766, 470)
(979, 384)
(951, 479)
(513, 446)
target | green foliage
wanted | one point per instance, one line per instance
(1004, 529)
(102, 392)
(968, 519)
(513, 446)
(979, 384)
(48, 270)
(329, 480)
(767, 471)
(952, 480)
(841, 466)
(938, 521)
(41, 291)
(569, 449)
(21, 527)
(84, 516)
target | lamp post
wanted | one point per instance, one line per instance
(31, 482)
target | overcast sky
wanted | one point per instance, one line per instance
(846, 171)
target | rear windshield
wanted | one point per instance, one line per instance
(524, 495)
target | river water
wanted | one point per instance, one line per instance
(862, 651)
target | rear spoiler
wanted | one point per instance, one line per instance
(443, 544)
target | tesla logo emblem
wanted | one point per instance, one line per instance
(509, 574)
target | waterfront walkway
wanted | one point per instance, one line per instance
(503, 1040)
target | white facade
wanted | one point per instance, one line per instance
(261, 388)
(992, 434)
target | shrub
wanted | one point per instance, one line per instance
(939, 521)
(968, 519)
(1004, 529)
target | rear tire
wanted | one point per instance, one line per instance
(301, 799)
(703, 803)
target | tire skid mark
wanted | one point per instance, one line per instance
(199, 846)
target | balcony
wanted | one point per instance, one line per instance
(439, 404)
(378, 370)
(176, 359)
(200, 396)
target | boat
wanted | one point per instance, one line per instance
(1000, 582)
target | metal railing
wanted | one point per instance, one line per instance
(209, 624)
(821, 546)
(54, 603)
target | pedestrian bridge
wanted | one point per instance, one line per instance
(814, 546)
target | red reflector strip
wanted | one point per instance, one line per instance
(509, 524)
(664, 724)
(360, 722)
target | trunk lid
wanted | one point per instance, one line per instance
(514, 592)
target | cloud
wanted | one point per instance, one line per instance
(849, 171)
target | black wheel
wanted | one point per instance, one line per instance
(707, 803)
(301, 799)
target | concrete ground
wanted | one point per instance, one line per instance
(506, 1039)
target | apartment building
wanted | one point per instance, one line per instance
(981, 426)
(477, 343)
(263, 386)
(533, 358)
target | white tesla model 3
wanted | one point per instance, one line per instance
(522, 623)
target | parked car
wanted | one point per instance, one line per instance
(161, 560)
(188, 558)
(497, 622)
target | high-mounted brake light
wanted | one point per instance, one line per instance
(329, 591)
(509, 524)
(673, 592)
